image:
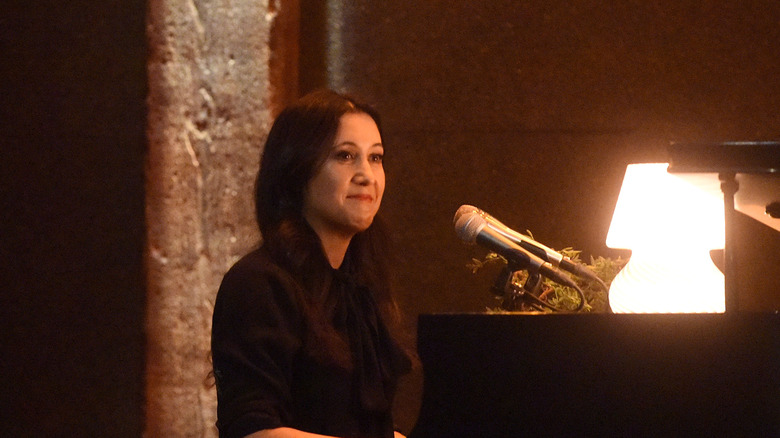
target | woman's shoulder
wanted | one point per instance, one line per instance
(256, 278)
(255, 305)
(255, 265)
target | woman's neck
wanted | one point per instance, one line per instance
(335, 247)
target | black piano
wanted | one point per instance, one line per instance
(599, 375)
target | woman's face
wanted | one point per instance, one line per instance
(345, 193)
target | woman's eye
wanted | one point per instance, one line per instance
(377, 158)
(343, 155)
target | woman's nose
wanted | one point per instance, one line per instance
(364, 174)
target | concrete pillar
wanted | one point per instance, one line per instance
(211, 100)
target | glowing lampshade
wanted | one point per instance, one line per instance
(670, 222)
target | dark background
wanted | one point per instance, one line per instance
(71, 170)
(528, 110)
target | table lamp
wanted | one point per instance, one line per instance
(670, 222)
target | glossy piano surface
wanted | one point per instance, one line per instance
(599, 375)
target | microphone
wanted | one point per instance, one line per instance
(543, 252)
(473, 228)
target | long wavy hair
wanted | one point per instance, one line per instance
(297, 146)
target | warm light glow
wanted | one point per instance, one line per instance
(670, 223)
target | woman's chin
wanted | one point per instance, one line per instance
(360, 224)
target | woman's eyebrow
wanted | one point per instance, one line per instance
(352, 143)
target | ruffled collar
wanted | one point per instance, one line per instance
(377, 360)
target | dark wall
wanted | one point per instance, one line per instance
(72, 131)
(531, 111)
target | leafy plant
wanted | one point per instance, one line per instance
(559, 296)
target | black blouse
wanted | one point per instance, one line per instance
(267, 378)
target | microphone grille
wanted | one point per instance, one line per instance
(464, 209)
(468, 227)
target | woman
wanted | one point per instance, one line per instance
(301, 336)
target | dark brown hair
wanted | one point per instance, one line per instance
(297, 146)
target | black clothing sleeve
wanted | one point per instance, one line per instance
(256, 334)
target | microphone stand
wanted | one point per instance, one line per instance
(514, 295)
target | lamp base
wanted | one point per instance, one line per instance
(660, 283)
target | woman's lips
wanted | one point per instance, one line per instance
(367, 198)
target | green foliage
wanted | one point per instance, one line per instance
(563, 297)
(490, 259)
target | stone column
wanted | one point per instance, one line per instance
(211, 100)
